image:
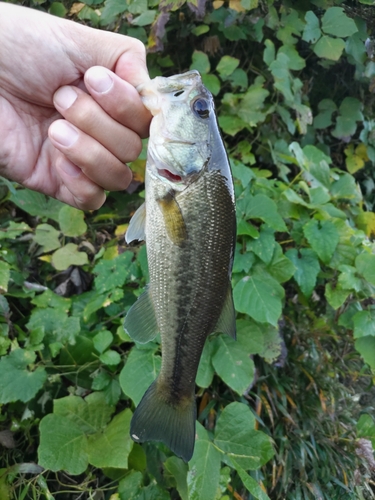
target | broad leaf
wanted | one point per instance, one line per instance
(72, 221)
(63, 445)
(235, 435)
(323, 238)
(140, 370)
(259, 296)
(204, 468)
(67, 256)
(17, 382)
(335, 22)
(111, 447)
(232, 363)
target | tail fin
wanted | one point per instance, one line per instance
(156, 420)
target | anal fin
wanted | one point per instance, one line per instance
(227, 320)
(140, 322)
(137, 226)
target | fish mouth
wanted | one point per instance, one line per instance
(167, 174)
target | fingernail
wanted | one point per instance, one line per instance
(63, 133)
(65, 97)
(99, 79)
(69, 168)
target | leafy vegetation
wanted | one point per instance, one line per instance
(286, 411)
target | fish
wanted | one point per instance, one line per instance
(188, 222)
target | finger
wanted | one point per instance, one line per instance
(131, 65)
(81, 110)
(75, 188)
(118, 98)
(96, 162)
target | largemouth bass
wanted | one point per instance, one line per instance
(188, 222)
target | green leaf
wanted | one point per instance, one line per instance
(200, 30)
(179, 470)
(112, 8)
(311, 32)
(364, 323)
(255, 338)
(14, 230)
(57, 9)
(212, 83)
(259, 296)
(324, 119)
(296, 62)
(226, 66)
(323, 238)
(56, 323)
(335, 296)
(147, 17)
(252, 104)
(204, 468)
(72, 221)
(90, 414)
(206, 371)
(262, 207)
(110, 358)
(4, 276)
(200, 62)
(47, 237)
(281, 268)
(235, 435)
(17, 382)
(112, 273)
(232, 363)
(51, 299)
(231, 125)
(366, 428)
(346, 187)
(63, 445)
(365, 263)
(68, 256)
(250, 484)
(335, 22)
(329, 48)
(366, 348)
(348, 279)
(269, 52)
(111, 447)
(102, 340)
(37, 204)
(140, 370)
(307, 268)
(130, 488)
(264, 245)
(350, 112)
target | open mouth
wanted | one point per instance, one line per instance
(168, 175)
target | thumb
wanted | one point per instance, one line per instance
(124, 55)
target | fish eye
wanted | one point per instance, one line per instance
(201, 107)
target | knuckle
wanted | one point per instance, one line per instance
(137, 46)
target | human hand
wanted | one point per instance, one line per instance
(70, 117)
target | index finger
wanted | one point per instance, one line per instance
(118, 98)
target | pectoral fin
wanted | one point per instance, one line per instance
(174, 221)
(137, 226)
(227, 320)
(140, 322)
